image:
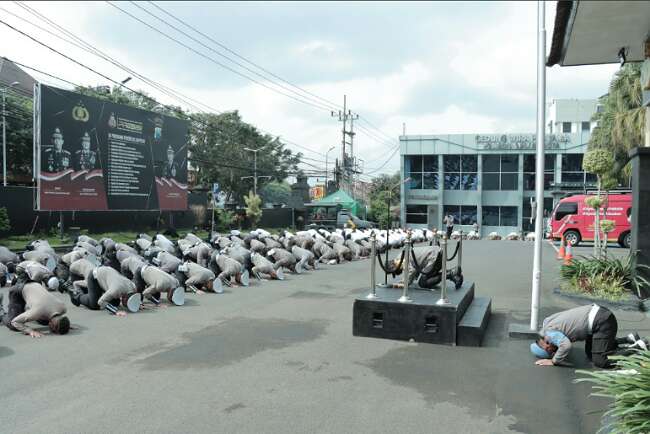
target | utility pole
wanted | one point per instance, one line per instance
(343, 116)
(254, 151)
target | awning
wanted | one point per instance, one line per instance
(593, 32)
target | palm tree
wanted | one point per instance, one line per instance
(621, 123)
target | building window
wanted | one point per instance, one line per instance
(501, 172)
(463, 214)
(572, 172)
(423, 171)
(460, 172)
(586, 126)
(416, 214)
(527, 224)
(530, 170)
(566, 127)
(600, 108)
(500, 216)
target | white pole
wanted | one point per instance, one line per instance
(4, 139)
(539, 175)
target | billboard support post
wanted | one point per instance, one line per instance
(61, 224)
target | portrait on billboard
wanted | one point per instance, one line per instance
(55, 158)
(85, 158)
(93, 154)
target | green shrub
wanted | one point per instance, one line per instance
(606, 277)
(226, 218)
(5, 224)
(629, 392)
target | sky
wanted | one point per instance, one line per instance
(431, 68)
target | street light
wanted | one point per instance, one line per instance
(126, 80)
(390, 194)
(4, 132)
(326, 173)
(254, 151)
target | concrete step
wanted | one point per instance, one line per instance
(474, 322)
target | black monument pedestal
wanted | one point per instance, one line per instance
(461, 322)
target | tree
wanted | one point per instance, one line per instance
(218, 154)
(276, 192)
(20, 120)
(621, 122)
(253, 208)
(599, 162)
(379, 195)
(5, 224)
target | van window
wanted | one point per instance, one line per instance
(566, 208)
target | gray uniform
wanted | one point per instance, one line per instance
(342, 252)
(39, 256)
(73, 256)
(197, 275)
(7, 256)
(143, 244)
(40, 305)
(157, 281)
(130, 265)
(121, 255)
(167, 262)
(125, 247)
(283, 258)
(95, 250)
(258, 246)
(325, 253)
(87, 239)
(32, 270)
(271, 243)
(305, 257)
(200, 253)
(261, 265)
(355, 249)
(228, 266)
(80, 269)
(113, 283)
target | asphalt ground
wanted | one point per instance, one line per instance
(279, 357)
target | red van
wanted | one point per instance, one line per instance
(575, 220)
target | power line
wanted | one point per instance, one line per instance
(241, 57)
(95, 51)
(211, 59)
(385, 163)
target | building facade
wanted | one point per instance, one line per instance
(490, 178)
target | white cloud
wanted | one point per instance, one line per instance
(494, 58)
(316, 47)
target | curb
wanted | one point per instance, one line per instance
(631, 303)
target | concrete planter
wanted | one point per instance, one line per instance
(631, 302)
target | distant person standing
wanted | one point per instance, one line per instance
(449, 222)
(475, 227)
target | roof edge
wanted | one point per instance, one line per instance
(564, 15)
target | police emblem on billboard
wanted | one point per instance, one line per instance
(80, 113)
(111, 121)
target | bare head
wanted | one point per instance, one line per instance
(59, 324)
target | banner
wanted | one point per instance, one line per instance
(317, 192)
(95, 155)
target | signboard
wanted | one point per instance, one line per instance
(95, 155)
(504, 142)
(317, 192)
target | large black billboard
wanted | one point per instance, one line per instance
(92, 154)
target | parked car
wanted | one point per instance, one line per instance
(574, 219)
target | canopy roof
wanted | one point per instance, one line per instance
(340, 197)
(593, 32)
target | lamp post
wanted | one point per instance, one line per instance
(254, 151)
(390, 194)
(4, 132)
(326, 172)
(539, 167)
